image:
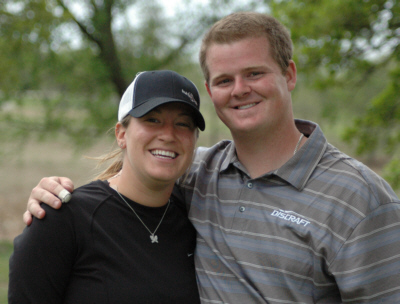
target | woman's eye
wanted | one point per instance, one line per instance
(185, 124)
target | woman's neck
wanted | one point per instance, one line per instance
(155, 195)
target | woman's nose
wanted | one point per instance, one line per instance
(167, 132)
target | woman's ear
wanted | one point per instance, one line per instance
(120, 131)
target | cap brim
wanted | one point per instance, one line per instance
(151, 104)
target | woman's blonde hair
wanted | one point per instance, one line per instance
(116, 154)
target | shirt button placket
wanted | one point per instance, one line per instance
(250, 186)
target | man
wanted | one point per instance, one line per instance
(281, 215)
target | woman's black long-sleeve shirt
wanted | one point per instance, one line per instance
(95, 250)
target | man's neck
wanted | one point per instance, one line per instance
(261, 154)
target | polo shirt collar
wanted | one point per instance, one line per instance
(230, 158)
(299, 168)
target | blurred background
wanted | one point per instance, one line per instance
(65, 63)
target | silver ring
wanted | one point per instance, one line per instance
(64, 196)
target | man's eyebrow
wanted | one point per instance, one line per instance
(223, 75)
(251, 68)
(256, 67)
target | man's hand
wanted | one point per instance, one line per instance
(46, 192)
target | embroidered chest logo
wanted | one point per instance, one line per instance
(290, 216)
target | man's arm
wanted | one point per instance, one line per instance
(47, 192)
(366, 268)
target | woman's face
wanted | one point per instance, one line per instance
(159, 145)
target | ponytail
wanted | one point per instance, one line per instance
(117, 155)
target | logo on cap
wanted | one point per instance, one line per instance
(190, 95)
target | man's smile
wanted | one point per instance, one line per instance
(246, 106)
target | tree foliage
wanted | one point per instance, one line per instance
(65, 63)
(71, 60)
(343, 44)
(68, 62)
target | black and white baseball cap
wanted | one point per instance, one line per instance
(151, 89)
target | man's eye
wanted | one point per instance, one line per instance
(223, 81)
(254, 74)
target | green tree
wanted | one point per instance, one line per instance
(343, 44)
(65, 63)
(70, 61)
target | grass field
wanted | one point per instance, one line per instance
(5, 252)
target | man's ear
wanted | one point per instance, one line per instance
(291, 76)
(208, 88)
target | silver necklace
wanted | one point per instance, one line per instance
(153, 237)
(298, 143)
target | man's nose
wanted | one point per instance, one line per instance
(241, 88)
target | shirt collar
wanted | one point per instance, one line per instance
(230, 158)
(299, 168)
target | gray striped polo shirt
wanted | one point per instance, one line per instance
(323, 228)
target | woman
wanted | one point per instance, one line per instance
(122, 239)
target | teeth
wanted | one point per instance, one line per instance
(162, 153)
(246, 106)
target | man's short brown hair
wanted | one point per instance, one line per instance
(238, 26)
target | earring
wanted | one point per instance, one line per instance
(121, 145)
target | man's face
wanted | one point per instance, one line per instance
(247, 87)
